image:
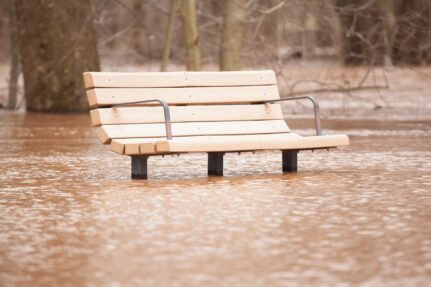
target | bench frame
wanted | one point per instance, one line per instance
(315, 107)
(215, 163)
(139, 166)
(166, 113)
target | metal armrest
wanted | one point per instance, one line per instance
(315, 105)
(165, 111)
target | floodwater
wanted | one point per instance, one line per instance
(71, 216)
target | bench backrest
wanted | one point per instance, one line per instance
(201, 103)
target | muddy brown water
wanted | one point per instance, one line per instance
(70, 215)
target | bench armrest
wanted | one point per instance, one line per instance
(315, 105)
(166, 112)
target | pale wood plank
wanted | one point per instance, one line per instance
(134, 115)
(225, 143)
(108, 132)
(230, 78)
(130, 80)
(250, 142)
(117, 146)
(134, 146)
(100, 97)
(178, 79)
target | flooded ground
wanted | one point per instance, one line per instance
(71, 216)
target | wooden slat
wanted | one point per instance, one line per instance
(231, 78)
(108, 132)
(135, 115)
(250, 142)
(135, 146)
(100, 97)
(178, 79)
(225, 143)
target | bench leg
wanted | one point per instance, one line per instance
(215, 163)
(290, 161)
(139, 167)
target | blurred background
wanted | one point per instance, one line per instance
(361, 58)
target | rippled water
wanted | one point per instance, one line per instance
(70, 215)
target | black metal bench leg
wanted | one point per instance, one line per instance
(215, 163)
(139, 167)
(290, 161)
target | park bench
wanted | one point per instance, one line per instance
(147, 114)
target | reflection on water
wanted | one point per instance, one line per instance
(70, 215)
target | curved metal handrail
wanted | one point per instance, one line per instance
(315, 105)
(166, 113)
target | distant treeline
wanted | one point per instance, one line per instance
(52, 42)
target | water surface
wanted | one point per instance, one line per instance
(71, 216)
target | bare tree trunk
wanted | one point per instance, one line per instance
(364, 31)
(191, 36)
(175, 7)
(329, 29)
(57, 44)
(279, 31)
(412, 38)
(427, 40)
(187, 11)
(140, 39)
(231, 40)
(14, 65)
(309, 37)
(388, 9)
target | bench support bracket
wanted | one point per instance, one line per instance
(215, 163)
(139, 167)
(315, 106)
(166, 112)
(290, 161)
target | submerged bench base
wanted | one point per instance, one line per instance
(290, 161)
(215, 164)
(139, 167)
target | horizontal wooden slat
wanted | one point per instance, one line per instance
(225, 143)
(198, 95)
(178, 79)
(135, 145)
(135, 115)
(250, 142)
(230, 78)
(108, 132)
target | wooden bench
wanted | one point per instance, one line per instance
(145, 114)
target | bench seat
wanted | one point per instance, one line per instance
(282, 141)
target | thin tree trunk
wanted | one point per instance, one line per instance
(15, 65)
(231, 40)
(364, 31)
(175, 7)
(140, 31)
(186, 9)
(190, 34)
(412, 36)
(310, 37)
(279, 31)
(329, 26)
(388, 9)
(57, 44)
